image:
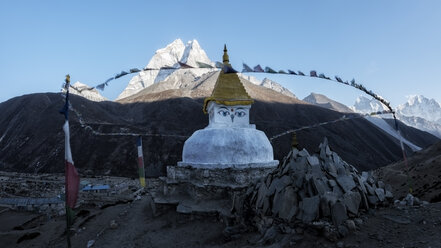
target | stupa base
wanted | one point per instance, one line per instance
(226, 175)
(207, 190)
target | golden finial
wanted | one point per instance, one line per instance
(294, 142)
(225, 58)
(67, 80)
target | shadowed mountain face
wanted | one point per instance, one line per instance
(32, 140)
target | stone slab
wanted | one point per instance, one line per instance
(346, 182)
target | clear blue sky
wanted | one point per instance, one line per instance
(392, 47)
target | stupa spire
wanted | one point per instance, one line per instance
(228, 89)
(225, 57)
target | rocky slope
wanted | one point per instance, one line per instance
(422, 174)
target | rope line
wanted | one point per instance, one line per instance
(84, 125)
(343, 118)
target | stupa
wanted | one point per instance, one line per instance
(229, 140)
(229, 152)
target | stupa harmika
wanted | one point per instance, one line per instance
(229, 140)
(229, 152)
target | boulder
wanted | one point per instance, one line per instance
(361, 184)
(310, 209)
(369, 188)
(261, 195)
(350, 224)
(380, 194)
(352, 201)
(332, 183)
(317, 185)
(373, 200)
(327, 200)
(288, 208)
(313, 161)
(338, 213)
(346, 182)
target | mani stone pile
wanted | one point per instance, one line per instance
(310, 189)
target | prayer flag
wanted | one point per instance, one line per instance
(141, 162)
(123, 73)
(228, 69)
(203, 65)
(219, 65)
(269, 70)
(101, 86)
(72, 181)
(257, 68)
(353, 82)
(184, 66)
(246, 68)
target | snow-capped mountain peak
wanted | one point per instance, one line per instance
(420, 106)
(419, 112)
(168, 56)
(194, 53)
(365, 105)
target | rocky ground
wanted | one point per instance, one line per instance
(135, 225)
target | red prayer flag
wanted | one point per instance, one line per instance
(72, 180)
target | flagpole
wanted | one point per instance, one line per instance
(66, 191)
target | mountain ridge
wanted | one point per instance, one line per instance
(325, 102)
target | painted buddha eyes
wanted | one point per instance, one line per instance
(239, 112)
(224, 112)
